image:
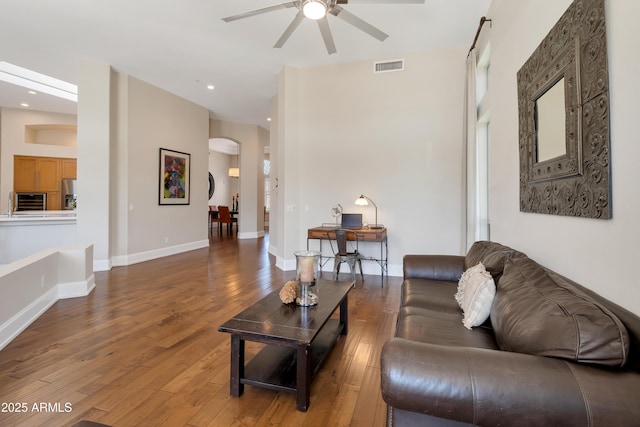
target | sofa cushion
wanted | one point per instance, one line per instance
(493, 255)
(545, 315)
(435, 295)
(442, 328)
(477, 298)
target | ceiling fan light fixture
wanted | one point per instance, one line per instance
(314, 9)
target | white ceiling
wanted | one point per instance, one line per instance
(183, 45)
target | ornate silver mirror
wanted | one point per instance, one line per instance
(563, 116)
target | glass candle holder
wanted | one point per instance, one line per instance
(307, 268)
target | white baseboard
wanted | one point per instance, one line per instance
(372, 268)
(76, 289)
(251, 235)
(282, 264)
(124, 260)
(21, 321)
(102, 265)
(18, 323)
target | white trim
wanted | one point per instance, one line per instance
(273, 250)
(77, 289)
(289, 264)
(251, 235)
(284, 264)
(102, 265)
(24, 270)
(124, 260)
(369, 268)
(25, 317)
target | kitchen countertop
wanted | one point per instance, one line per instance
(38, 218)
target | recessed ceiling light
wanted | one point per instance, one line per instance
(268, 119)
(36, 81)
(24, 104)
(210, 87)
(33, 92)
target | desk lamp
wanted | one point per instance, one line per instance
(364, 201)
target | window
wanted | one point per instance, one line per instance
(267, 185)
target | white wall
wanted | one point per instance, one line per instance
(395, 137)
(122, 124)
(95, 136)
(219, 164)
(600, 254)
(276, 213)
(19, 239)
(150, 119)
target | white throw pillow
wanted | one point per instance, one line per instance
(465, 278)
(477, 298)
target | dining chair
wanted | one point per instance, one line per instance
(224, 217)
(213, 218)
(343, 255)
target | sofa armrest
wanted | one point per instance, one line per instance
(480, 386)
(434, 267)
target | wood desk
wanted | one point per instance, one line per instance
(364, 234)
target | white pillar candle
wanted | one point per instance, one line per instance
(306, 268)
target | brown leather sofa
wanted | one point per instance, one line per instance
(552, 353)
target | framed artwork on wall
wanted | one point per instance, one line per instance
(175, 171)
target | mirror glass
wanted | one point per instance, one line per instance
(550, 122)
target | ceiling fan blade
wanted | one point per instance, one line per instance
(290, 29)
(260, 11)
(378, 1)
(339, 12)
(323, 24)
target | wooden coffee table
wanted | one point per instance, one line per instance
(299, 340)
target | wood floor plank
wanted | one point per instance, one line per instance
(367, 411)
(143, 348)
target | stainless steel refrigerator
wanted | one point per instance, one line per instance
(69, 196)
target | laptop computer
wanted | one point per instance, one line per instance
(351, 221)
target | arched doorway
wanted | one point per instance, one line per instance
(224, 176)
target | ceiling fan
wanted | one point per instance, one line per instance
(317, 10)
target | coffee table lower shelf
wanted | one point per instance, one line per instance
(275, 367)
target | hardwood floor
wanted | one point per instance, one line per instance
(143, 349)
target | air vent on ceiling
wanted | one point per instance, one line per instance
(385, 66)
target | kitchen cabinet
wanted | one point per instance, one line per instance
(25, 175)
(48, 174)
(69, 168)
(39, 175)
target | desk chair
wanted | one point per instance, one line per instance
(224, 217)
(343, 255)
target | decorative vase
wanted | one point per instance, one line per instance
(307, 268)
